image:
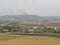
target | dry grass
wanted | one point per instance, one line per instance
(31, 40)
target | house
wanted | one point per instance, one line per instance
(30, 30)
(35, 27)
(4, 30)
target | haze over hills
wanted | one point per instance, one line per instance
(29, 17)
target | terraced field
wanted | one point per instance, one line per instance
(29, 40)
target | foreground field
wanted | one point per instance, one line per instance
(29, 40)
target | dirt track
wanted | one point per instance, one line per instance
(32, 40)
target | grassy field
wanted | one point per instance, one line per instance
(6, 39)
(5, 36)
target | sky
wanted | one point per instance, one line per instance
(37, 7)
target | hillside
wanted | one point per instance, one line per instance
(29, 17)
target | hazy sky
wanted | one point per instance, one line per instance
(39, 7)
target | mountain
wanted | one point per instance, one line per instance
(29, 17)
(20, 17)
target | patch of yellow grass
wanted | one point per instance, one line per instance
(32, 40)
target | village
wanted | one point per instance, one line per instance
(24, 28)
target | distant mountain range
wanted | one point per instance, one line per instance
(29, 17)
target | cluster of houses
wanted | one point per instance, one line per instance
(25, 28)
(19, 28)
(55, 28)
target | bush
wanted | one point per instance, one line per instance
(38, 31)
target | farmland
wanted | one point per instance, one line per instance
(6, 39)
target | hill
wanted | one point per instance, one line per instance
(29, 17)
